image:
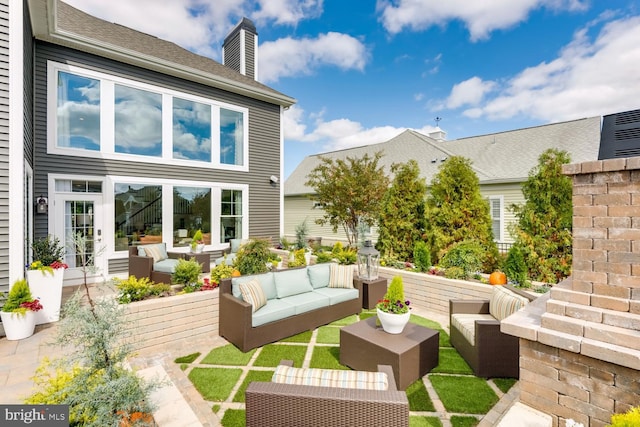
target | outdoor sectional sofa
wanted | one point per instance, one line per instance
(475, 332)
(287, 302)
(318, 397)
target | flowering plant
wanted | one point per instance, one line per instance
(394, 301)
(20, 299)
(58, 264)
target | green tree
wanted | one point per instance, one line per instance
(543, 230)
(402, 214)
(350, 192)
(457, 210)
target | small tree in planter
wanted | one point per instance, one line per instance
(47, 250)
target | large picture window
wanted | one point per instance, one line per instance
(78, 111)
(138, 214)
(191, 212)
(138, 121)
(100, 115)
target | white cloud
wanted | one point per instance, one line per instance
(586, 79)
(480, 17)
(471, 92)
(337, 134)
(287, 11)
(290, 57)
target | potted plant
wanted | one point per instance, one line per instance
(197, 242)
(45, 276)
(393, 309)
(18, 312)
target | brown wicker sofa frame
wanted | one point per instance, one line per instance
(142, 266)
(495, 354)
(280, 405)
(236, 327)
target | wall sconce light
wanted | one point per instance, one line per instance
(274, 179)
(42, 205)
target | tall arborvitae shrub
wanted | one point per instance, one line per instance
(402, 214)
(543, 230)
(421, 256)
(457, 211)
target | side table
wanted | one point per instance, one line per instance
(372, 291)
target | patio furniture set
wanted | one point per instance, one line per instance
(260, 309)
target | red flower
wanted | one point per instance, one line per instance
(58, 264)
(32, 305)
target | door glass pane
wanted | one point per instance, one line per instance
(78, 112)
(138, 121)
(231, 137)
(138, 214)
(191, 130)
(79, 220)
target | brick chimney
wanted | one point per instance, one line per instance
(240, 49)
(580, 343)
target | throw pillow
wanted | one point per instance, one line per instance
(340, 378)
(252, 293)
(156, 252)
(319, 275)
(341, 276)
(504, 303)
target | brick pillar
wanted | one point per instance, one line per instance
(580, 346)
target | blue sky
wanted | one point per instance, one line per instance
(364, 71)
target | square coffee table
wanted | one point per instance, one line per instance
(411, 354)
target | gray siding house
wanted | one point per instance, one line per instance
(502, 162)
(127, 139)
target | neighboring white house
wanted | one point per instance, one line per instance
(502, 162)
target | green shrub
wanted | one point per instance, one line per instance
(187, 272)
(422, 256)
(298, 258)
(253, 256)
(221, 271)
(19, 293)
(515, 266)
(47, 250)
(132, 289)
(467, 255)
(302, 231)
(631, 418)
(323, 257)
(455, 273)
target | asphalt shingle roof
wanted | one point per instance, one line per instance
(499, 157)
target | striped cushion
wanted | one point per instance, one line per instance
(252, 293)
(331, 378)
(466, 324)
(157, 252)
(504, 303)
(341, 276)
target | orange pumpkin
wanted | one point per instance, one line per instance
(235, 273)
(498, 278)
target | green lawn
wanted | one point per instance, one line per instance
(452, 382)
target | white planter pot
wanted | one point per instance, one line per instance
(16, 326)
(393, 323)
(307, 257)
(48, 289)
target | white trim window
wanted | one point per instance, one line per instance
(496, 212)
(93, 114)
(171, 211)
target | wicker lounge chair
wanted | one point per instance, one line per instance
(288, 405)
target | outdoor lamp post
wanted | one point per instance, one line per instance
(368, 261)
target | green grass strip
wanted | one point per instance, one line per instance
(234, 418)
(327, 358)
(460, 421)
(272, 354)
(345, 320)
(504, 384)
(214, 384)
(187, 359)
(259, 376)
(417, 421)
(228, 355)
(450, 362)
(465, 395)
(328, 335)
(303, 337)
(419, 399)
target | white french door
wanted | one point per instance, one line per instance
(81, 215)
